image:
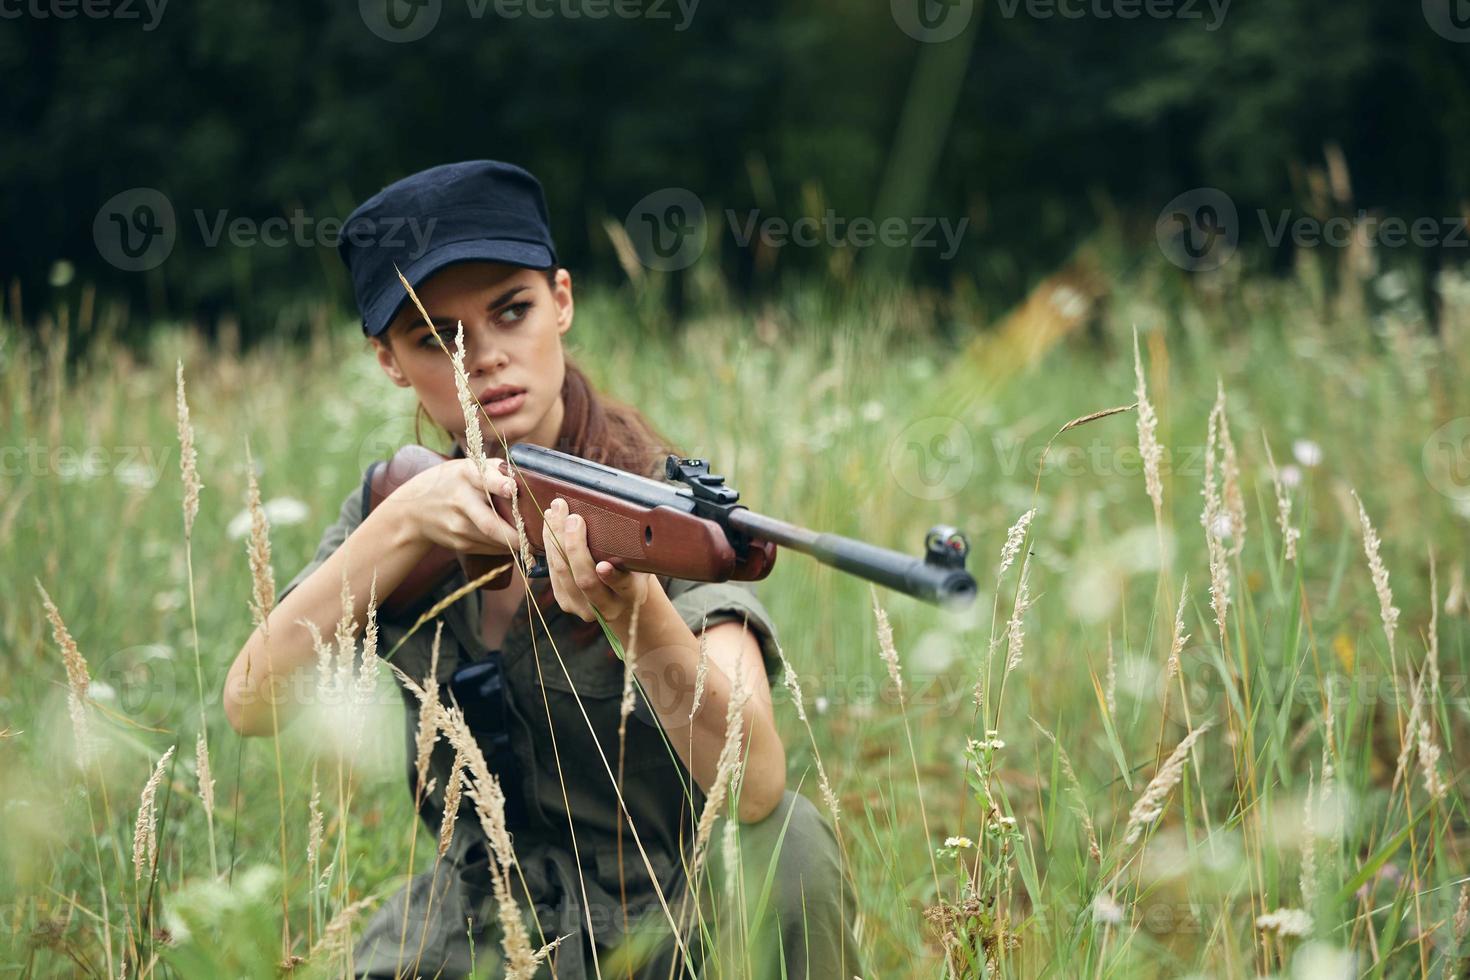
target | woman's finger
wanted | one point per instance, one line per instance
(579, 560)
(495, 479)
(479, 508)
(568, 596)
(613, 578)
(492, 528)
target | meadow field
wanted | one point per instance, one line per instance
(1206, 717)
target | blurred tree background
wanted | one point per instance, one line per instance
(1040, 128)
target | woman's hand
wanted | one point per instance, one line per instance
(447, 506)
(579, 583)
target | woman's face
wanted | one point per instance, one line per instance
(513, 324)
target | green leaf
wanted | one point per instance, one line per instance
(1375, 862)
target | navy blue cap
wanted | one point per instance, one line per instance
(458, 212)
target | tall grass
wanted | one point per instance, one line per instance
(1261, 777)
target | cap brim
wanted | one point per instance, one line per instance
(390, 300)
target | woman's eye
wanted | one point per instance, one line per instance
(514, 313)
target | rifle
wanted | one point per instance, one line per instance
(691, 527)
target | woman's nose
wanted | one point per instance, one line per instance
(483, 354)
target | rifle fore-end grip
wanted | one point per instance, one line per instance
(632, 536)
(638, 538)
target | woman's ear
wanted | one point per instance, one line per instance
(561, 296)
(389, 364)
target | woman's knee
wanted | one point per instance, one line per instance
(795, 843)
(407, 934)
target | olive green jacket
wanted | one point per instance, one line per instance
(572, 818)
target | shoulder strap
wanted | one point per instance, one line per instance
(367, 486)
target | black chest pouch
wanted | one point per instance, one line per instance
(480, 692)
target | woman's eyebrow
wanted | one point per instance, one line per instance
(449, 323)
(506, 296)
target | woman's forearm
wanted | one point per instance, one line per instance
(265, 683)
(666, 660)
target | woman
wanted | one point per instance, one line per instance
(481, 253)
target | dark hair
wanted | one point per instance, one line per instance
(596, 427)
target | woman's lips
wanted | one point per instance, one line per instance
(505, 406)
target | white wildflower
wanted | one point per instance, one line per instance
(279, 511)
(1285, 922)
(1307, 452)
(1106, 911)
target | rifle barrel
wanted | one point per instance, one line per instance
(945, 584)
(949, 587)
